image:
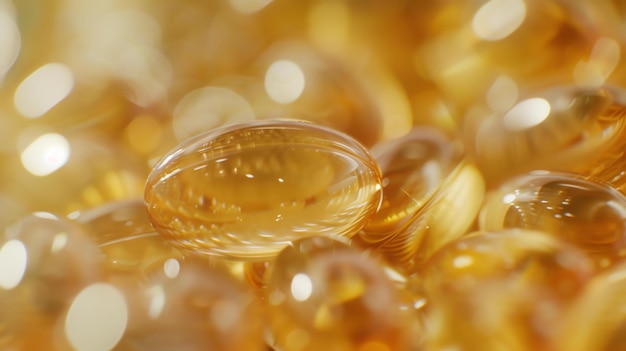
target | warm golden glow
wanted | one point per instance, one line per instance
(497, 19)
(43, 89)
(526, 114)
(97, 318)
(10, 42)
(284, 81)
(46, 154)
(207, 108)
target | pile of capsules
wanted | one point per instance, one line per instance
(315, 175)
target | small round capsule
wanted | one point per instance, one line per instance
(246, 191)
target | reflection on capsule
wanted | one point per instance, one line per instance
(590, 215)
(247, 190)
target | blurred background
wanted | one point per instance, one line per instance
(92, 93)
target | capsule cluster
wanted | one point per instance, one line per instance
(313, 175)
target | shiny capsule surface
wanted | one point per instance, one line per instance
(413, 167)
(187, 304)
(326, 295)
(525, 256)
(45, 261)
(425, 183)
(590, 215)
(125, 235)
(505, 290)
(556, 129)
(596, 321)
(247, 190)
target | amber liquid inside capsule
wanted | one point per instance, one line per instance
(123, 232)
(245, 191)
(590, 215)
(325, 295)
(505, 290)
(555, 130)
(596, 321)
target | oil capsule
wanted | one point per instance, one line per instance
(502, 290)
(187, 304)
(124, 233)
(431, 196)
(324, 294)
(589, 215)
(596, 321)
(45, 261)
(556, 129)
(245, 191)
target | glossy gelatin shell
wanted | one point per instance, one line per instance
(585, 213)
(245, 191)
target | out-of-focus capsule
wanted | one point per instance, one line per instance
(501, 290)
(590, 215)
(431, 195)
(62, 173)
(185, 304)
(465, 47)
(246, 191)
(324, 294)
(596, 321)
(556, 129)
(45, 261)
(123, 232)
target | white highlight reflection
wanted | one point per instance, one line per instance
(301, 287)
(97, 318)
(284, 81)
(526, 114)
(157, 298)
(13, 262)
(497, 19)
(43, 89)
(171, 268)
(46, 154)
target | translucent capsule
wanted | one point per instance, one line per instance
(596, 321)
(590, 215)
(246, 191)
(124, 233)
(556, 129)
(185, 304)
(326, 295)
(464, 47)
(526, 256)
(44, 262)
(504, 290)
(608, 164)
(424, 180)
(62, 173)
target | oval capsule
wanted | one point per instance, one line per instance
(245, 191)
(556, 129)
(587, 214)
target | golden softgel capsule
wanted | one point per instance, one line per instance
(246, 191)
(589, 215)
